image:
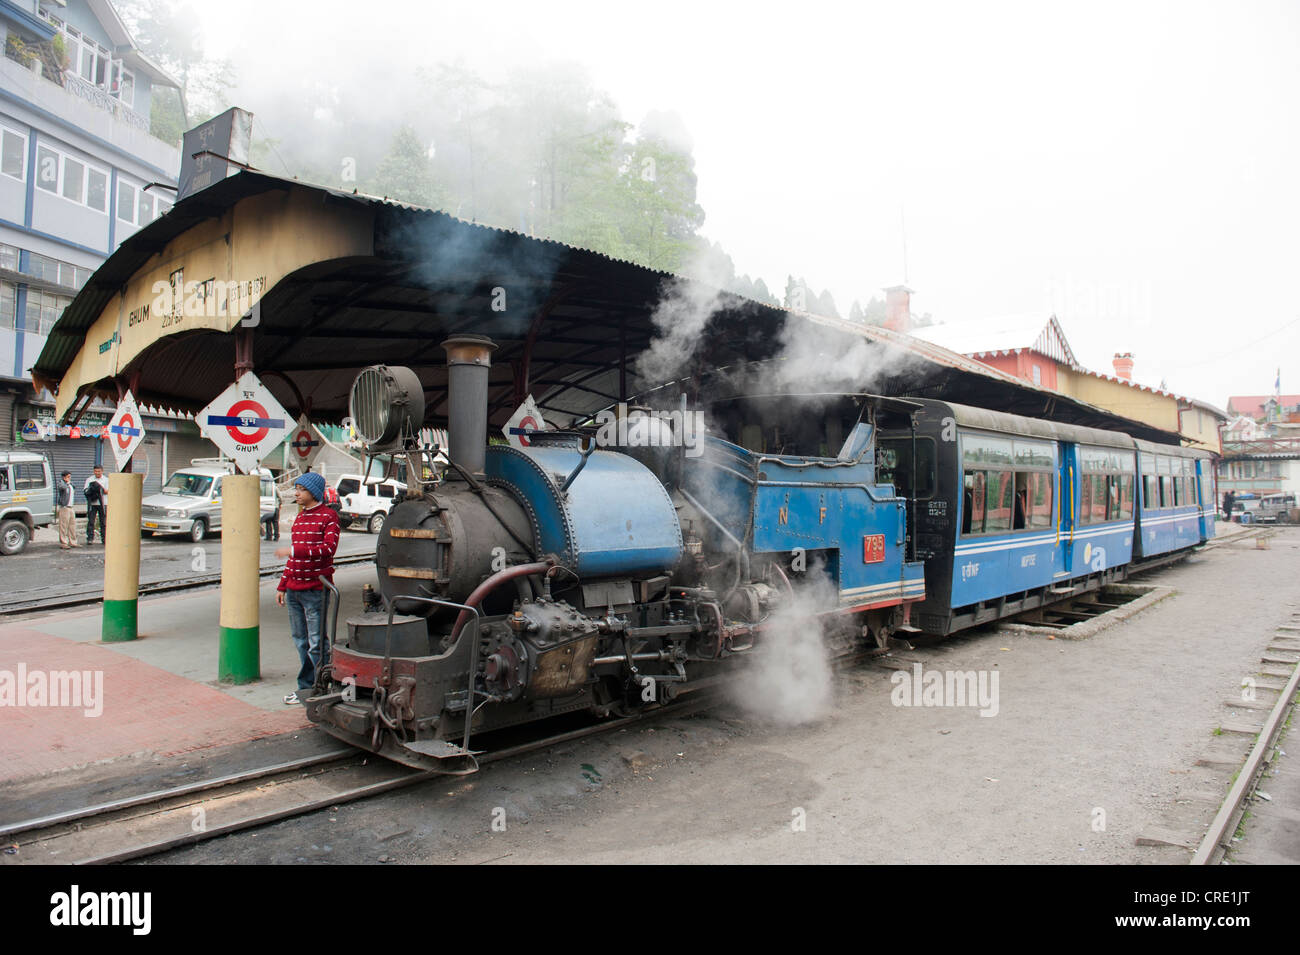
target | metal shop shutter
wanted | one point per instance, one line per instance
(8, 427)
(75, 455)
(148, 460)
(183, 448)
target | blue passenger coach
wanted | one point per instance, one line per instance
(1012, 513)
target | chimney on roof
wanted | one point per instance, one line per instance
(898, 308)
(1123, 365)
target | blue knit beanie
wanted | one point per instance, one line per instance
(313, 483)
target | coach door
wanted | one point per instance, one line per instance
(1065, 517)
(1206, 499)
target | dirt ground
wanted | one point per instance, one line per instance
(1094, 743)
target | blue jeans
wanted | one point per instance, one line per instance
(306, 624)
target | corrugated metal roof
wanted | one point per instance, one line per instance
(324, 323)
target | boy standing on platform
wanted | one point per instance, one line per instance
(312, 541)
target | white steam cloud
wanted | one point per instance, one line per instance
(819, 358)
(788, 681)
(680, 319)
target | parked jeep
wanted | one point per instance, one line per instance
(26, 498)
(190, 501)
(367, 501)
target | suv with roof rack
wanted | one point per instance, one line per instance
(26, 498)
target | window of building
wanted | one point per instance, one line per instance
(125, 201)
(13, 153)
(145, 208)
(8, 304)
(1038, 375)
(74, 179)
(43, 310)
(97, 189)
(47, 169)
(8, 257)
(124, 86)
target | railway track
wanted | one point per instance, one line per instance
(1218, 838)
(64, 601)
(155, 822)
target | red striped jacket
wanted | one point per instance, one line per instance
(314, 538)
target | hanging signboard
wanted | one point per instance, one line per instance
(245, 422)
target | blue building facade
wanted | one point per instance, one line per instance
(80, 171)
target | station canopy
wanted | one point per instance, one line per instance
(341, 281)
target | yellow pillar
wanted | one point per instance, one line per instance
(122, 557)
(239, 659)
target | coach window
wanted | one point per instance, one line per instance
(1126, 497)
(1102, 485)
(1040, 498)
(1148, 481)
(988, 483)
(973, 499)
(1165, 467)
(1001, 486)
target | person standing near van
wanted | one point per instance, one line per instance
(312, 541)
(63, 497)
(96, 491)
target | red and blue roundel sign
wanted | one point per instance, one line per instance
(247, 421)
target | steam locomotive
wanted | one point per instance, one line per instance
(521, 583)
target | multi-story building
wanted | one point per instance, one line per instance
(1261, 446)
(80, 170)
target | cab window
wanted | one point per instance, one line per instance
(348, 486)
(894, 466)
(29, 475)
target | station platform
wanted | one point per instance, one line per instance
(160, 695)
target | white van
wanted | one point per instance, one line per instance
(366, 502)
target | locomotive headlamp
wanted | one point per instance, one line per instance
(386, 404)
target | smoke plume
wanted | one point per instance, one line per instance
(680, 318)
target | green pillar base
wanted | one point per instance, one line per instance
(120, 620)
(239, 660)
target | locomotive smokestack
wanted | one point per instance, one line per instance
(469, 360)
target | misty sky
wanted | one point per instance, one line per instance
(1134, 168)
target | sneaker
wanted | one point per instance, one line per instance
(292, 699)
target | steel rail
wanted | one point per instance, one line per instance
(693, 698)
(1225, 821)
(160, 795)
(404, 776)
